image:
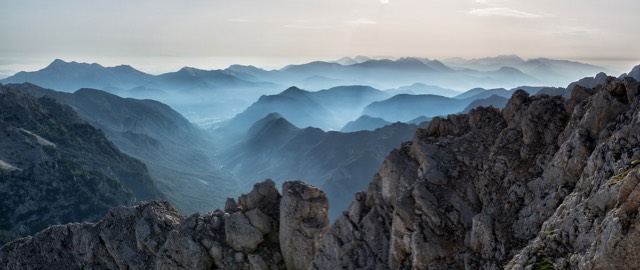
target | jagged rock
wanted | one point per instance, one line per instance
(241, 235)
(546, 182)
(154, 235)
(259, 220)
(304, 217)
(264, 196)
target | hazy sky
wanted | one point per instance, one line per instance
(164, 35)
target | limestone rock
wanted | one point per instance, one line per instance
(545, 182)
(304, 217)
(240, 234)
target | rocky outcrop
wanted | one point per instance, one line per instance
(304, 217)
(546, 182)
(154, 235)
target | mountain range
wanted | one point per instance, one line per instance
(208, 96)
(546, 183)
(180, 156)
(55, 168)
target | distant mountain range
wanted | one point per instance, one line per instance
(212, 95)
(327, 109)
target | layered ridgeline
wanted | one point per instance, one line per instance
(546, 182)
(207, 96)
(179, 156)
(339, 163)
(55, 168)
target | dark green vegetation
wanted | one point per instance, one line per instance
(543, 265)
(55, 168)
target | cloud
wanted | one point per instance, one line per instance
(362, 21)
(504, 12)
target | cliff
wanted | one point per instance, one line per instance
(544, 182)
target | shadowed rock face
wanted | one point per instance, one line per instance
(55, 168)
(546, 181)
(154, 235)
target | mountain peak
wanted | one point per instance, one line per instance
(293, 90)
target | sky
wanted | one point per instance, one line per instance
(159, 36)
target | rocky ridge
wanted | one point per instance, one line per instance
(248, 234)
(546, 182)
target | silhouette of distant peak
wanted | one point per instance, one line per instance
(293, 90)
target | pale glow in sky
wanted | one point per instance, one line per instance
(164, 35)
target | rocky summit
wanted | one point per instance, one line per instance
(545, 183)
(154, 235)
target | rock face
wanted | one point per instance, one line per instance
(544, 182)
(303, 219)
(154, 235)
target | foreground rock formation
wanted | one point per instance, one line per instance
(544, 182)
(154, 235)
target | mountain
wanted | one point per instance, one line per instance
(588, 82)
(208, 97)
(422, 89)
(340, 163)
(55, 168)
(194, 92)
(387, 74)
(328, 109)
(261, 231)
(180, 157)
(550, 71)
(345, 61)
(546, 183)
(365, 122)
(635, 72)
(71, 76)
(493, 101)
(405, 107)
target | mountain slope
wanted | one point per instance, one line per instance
(58, 169)
(340, 163)
(180, 157)
(328, 109)
(405, 107)
(364, 122)
(547, 182)
(70, 76)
